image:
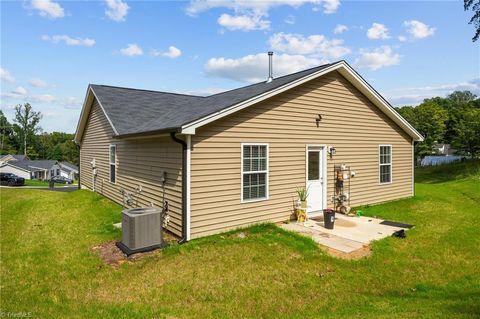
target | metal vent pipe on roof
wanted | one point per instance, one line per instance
(270, 67)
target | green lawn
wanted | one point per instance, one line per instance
(48, 269)
(34, 182)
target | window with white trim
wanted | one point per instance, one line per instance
(254, 171)
(385, 162)
(113, 163)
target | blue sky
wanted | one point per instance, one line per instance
(51, 50)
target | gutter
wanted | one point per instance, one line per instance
(148, 133)
(184, 186)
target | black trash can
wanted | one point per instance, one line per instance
(329, 218)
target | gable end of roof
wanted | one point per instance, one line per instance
(86, 109)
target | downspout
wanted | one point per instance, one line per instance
(184, 186)
(78, 149)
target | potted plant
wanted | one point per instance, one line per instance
(301, 211)
(302, 193)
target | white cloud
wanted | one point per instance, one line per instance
(254, 68)
(86, 42)
(20, 91)
(378, 31)
(172, 53)
(415, 95)
(418, 30)
(378, 58)
(330, 6)
(43, 98)
(116, 10)
(131, 50)
(48, 8)
(6, 76)
(402, 38)
(258, 7)
(316, 44)
(290, 20)
(21, 94)
(37, 83)
(340, 28)
(202, 92)
(243, 22)
(70, 102)
(250, 14)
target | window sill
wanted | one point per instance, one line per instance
(245, 201)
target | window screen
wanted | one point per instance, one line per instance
(255, 170)
(113, 163)
(385, 164)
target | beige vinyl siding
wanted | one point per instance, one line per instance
(140, 162)
(351, 123)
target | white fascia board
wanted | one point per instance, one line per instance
(344, 69)
(83, 117)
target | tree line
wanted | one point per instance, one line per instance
(25, 136)
(453, 120)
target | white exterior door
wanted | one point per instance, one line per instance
(315, 178)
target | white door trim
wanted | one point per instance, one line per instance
(324, 174)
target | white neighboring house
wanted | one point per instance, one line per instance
(39, 169)
(10, 157)
(445, 149)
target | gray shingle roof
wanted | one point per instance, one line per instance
(16, 157)
(134, 111)
(69, 166)
(33, 165)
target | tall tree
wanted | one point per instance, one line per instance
(465, 127)
(455, 104)
(26, 124)
(474, 5)
(429, 119)
(6, 136)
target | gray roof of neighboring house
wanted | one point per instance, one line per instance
(15, 156)
(69, 166)
(33, 165)
(134, 111)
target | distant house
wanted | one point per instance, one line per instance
(10, 157)
(444, 149)
(235, 158)
(37, 169)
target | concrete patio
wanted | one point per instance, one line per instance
(349, 234)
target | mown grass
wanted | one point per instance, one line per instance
(48, 269)
(35, 182)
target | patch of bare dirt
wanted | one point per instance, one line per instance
(363, 252)
(111, 255)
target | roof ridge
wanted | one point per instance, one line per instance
(280, 77)
(147, 90)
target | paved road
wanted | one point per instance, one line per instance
(46, 188)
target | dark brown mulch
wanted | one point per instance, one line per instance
(113, 256)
